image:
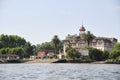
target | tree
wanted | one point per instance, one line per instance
(11, 41)
(47, 46)
(88, 37)
(72, 53)
(114, 54)
(2, 51)
(56, 44)
(12, 44)
(117, 46)
(105, 55)
(95, 54)
(18, 51)
(28, 49)
(116, 51)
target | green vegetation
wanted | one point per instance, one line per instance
(52, 56)
(114, 56)
(73, 56)
(95, 54)
(13, 44)
(112, 60)
(46, 46)
(56, 44)
(116, 51)
(117, 46)
(88, 37)
(105, 55)
(72, 53)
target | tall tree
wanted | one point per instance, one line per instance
(11, 41)
(13, 44)
(56, 44)
(88, 37)
(116, 51)
(117, 46)
(47, 46)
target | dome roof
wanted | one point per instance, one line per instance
(82, 28)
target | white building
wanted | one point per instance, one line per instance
(78, 41)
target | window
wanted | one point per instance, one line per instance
(100, 42)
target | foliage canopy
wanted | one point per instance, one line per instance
(13, 44)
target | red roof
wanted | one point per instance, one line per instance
(42, 53)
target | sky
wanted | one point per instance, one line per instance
(39, 20)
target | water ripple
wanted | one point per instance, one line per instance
(45, 71)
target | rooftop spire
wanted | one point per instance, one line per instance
(82, 22)
(82, 28)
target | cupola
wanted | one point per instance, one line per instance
(82, 28)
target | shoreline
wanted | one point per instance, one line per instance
(42, 61)
(56, 61)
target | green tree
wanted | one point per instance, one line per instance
(88, 37)
(72, 53)
(11, 41)
(105, 55)
(28, 49)
(116, 51)
(47, 46)
(117, 46)
(2, 51)
(95, 54)
(56, 44)
(114, 54)
(13, 44)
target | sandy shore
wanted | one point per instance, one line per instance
(54, 60)
(99, 62)
(42, 61)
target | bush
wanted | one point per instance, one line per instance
(117, 46)
(114, 54)
(95, 54)
(116, 61)
(72, 53)
(105, 55)
(52, 56)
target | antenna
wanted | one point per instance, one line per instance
(82, 22)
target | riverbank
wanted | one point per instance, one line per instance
(42, 61)
(68, 61)
(61, 61)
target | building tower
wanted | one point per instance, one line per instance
(82, 31)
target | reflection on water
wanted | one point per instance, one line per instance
(47, 71)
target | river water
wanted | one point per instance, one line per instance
(58, 71)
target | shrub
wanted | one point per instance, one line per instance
(105, 55)
(114, 54)
(72, 53)
(95, 54)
